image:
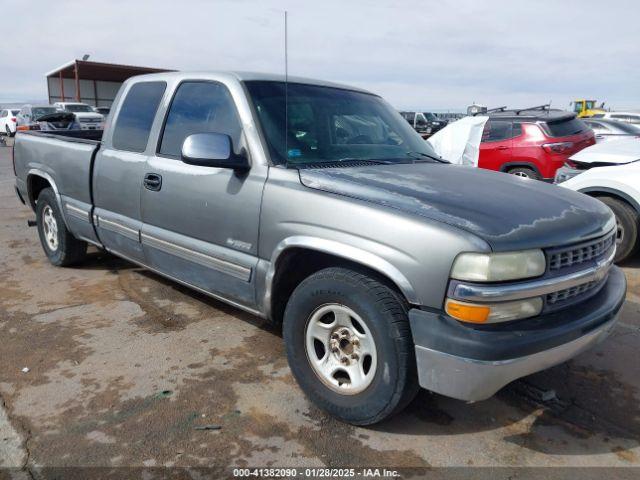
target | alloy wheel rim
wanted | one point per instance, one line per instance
(50, 227)
(341, 349)
(521, 174)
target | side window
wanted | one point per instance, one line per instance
(136, 116)
(496, 130)
(199, 107)
(3, 114)
(517, 130)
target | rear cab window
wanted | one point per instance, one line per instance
(138, 110)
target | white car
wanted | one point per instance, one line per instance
(8, 121)
(611, 130)
(610, 171)
(85, 115)
(627, 117)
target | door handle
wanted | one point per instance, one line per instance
(502, 147)
(152, 181)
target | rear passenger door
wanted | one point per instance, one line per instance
(200, 224)
(496, 145)
(119, 171)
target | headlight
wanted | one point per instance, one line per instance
(497, 267)
(565, 173)
(493, 312)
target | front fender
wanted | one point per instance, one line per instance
(338, 249)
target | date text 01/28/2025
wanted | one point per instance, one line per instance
(315, 473)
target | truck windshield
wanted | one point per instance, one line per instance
(326, 124)
(430, 116)
(78, 108)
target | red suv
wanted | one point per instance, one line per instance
(532, 143)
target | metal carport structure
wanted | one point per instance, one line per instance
(94, 83)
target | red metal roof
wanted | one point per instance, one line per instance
(111, 72)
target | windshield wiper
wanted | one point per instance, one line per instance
(364, 160)
(426, 155)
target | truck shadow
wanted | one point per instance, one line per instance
(592, 412)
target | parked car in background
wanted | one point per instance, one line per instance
(104, 111)
(610, 172)
(8, 121)
(451, 116)
(425, 123)
(607, 130)
(86, 117)
(533, 142)
(29, 115)
(626, 117)
(469, 289)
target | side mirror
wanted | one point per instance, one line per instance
(212, 150)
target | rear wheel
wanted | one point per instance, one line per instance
(626, 225)
(349, 345)
(525, 172)
(60, 246)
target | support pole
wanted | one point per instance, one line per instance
(77, 82)
(61, 84)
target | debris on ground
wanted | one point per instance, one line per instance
(208, 427)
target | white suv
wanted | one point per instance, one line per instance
(8, 121)
(87, 118)
(610, 171)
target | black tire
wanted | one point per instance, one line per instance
(525, 172)
(8, 130)
(68, 250)
(384, 312)
(627, 223)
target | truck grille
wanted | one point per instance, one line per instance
(577, 254)
(569, 293)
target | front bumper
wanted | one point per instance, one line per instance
(471, 362)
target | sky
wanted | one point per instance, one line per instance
(424, 55)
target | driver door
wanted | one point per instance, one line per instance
(200, 223)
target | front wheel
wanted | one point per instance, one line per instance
(60, 246)
(626, 227)
(349, 345)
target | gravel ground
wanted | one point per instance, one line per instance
(124, 365)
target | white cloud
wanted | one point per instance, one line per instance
(418, 54)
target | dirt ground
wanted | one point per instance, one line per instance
(124, 365)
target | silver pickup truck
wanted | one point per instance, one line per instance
(317, 206)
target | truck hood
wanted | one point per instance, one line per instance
(617, 152)
(508, 212)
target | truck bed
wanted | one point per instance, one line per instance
(64, 160)
(91, 136)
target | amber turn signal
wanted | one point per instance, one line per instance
(467, 312)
